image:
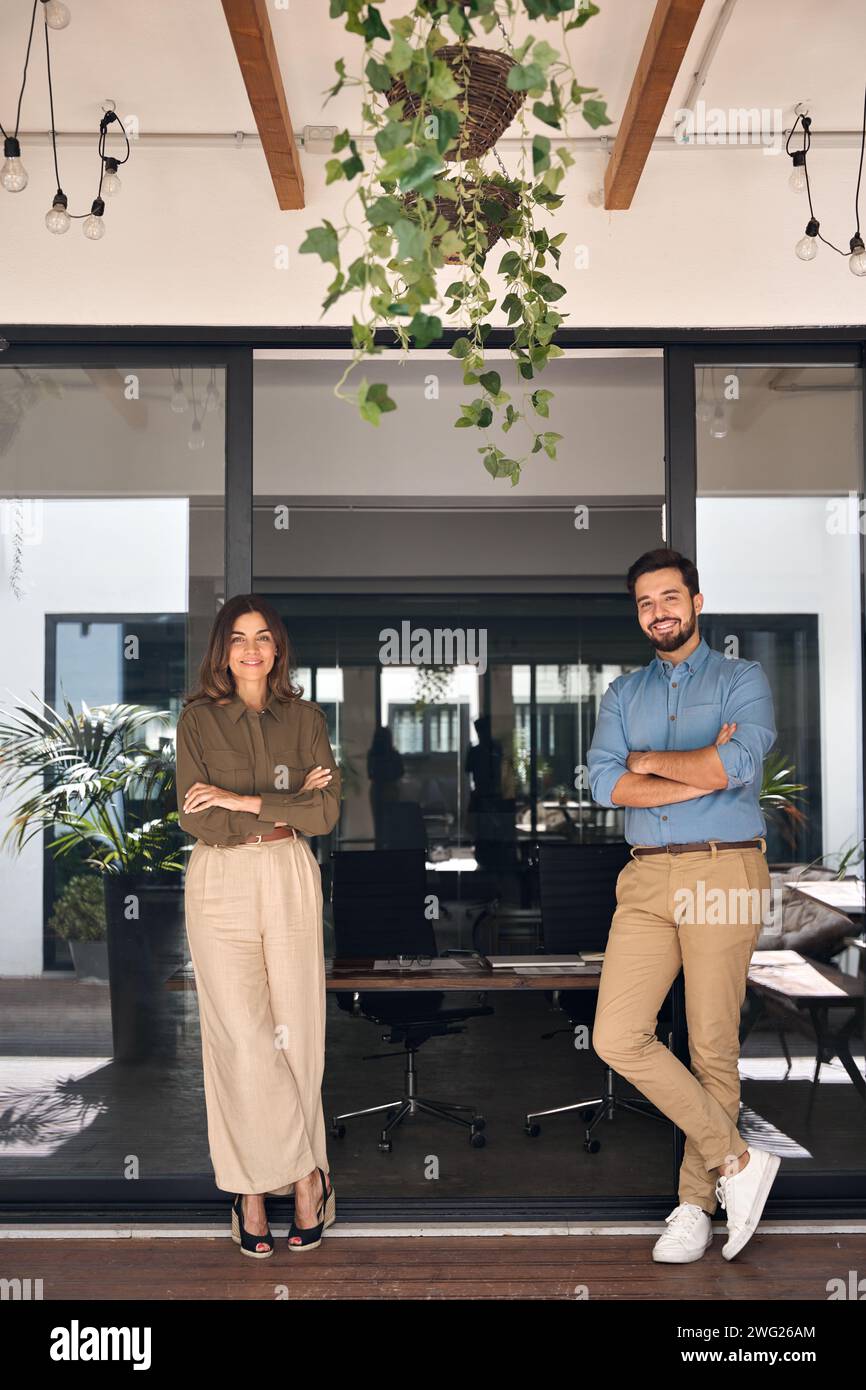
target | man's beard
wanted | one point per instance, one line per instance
(671, 641)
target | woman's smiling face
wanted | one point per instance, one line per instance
(252, 650)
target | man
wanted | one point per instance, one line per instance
(681, 745)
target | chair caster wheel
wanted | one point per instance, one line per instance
(338, 1131)
(385, 1146)
(592, 1146)
(532, 1131)
(478, 1123)
(477, 1140)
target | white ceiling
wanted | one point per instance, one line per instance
(173, 65)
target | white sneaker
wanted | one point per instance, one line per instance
(743, 1196)
(689, 1235)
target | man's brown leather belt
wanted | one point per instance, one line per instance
(279, 834)
(705, 846)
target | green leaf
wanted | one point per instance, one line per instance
(526, 79)
(322, 241)
(511, 306)
(492, 382)
(595, 113)
(421, 172)
(384, 212)
(547, 113)
(425, 329)
(586, 11)
(460, 348)
(411, 241)
(540, 153)
(399, 58)
(540, 401)
(373, 28)
(374, 401)
(378, 76)
(340, 69)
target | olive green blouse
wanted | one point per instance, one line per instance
(232, 747)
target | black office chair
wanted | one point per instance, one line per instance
(378, 901)
(577, 888)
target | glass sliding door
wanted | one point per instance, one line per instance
(779, 518)
(469, 631)
(112, 486)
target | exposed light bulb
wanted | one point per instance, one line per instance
(857, 259)
(94, 225)
(111, 184)
(57, 219)
(196, 438)
(211, 396)
(704, 410)
(797, 180)
(807, 246)
(57, 14)
(13, 175)
(719, 426)
(179, 402)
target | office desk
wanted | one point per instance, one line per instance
(788, 1001)
(360, 975)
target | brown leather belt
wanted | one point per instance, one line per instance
(701, 846)
(281, 833)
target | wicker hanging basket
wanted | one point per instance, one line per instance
(491, 105)
(488, 191)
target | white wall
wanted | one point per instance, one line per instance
(122, 556)
(707, 242)
(778, 556)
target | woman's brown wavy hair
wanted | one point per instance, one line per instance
(215, 680)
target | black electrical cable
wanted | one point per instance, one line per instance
(3, 130)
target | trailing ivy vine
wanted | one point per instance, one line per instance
(420, 212)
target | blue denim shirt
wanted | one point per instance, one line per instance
(666, 707)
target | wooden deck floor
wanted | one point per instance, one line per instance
(774, 1267)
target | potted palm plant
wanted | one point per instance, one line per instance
(79, 920)
(104, 794)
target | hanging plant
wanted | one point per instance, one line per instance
(429, 102)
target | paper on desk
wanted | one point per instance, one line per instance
(845, 895)
(776, 958)
(437, 963)
(798, 980)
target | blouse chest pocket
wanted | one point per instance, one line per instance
(228, 768)
(289, 767)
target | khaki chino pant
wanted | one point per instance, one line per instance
(702, 912)
(254, 926)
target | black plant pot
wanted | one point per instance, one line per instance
(146, 945)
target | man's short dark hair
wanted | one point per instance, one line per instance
(663, 559)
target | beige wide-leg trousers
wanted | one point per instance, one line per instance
(702, 912)
(254, 926)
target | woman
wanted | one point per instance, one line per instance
(255, 774)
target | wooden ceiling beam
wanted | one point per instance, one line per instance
(670, 31)
(253, 40)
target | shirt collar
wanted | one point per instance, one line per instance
(236, 706)
(694, 662)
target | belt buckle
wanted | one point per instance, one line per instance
(257, 840)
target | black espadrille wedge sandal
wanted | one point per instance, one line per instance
(250, 1244)
(307, 1238)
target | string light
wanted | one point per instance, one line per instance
(806, 248)
(13, 175)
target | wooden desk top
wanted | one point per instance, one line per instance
(359, 974)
